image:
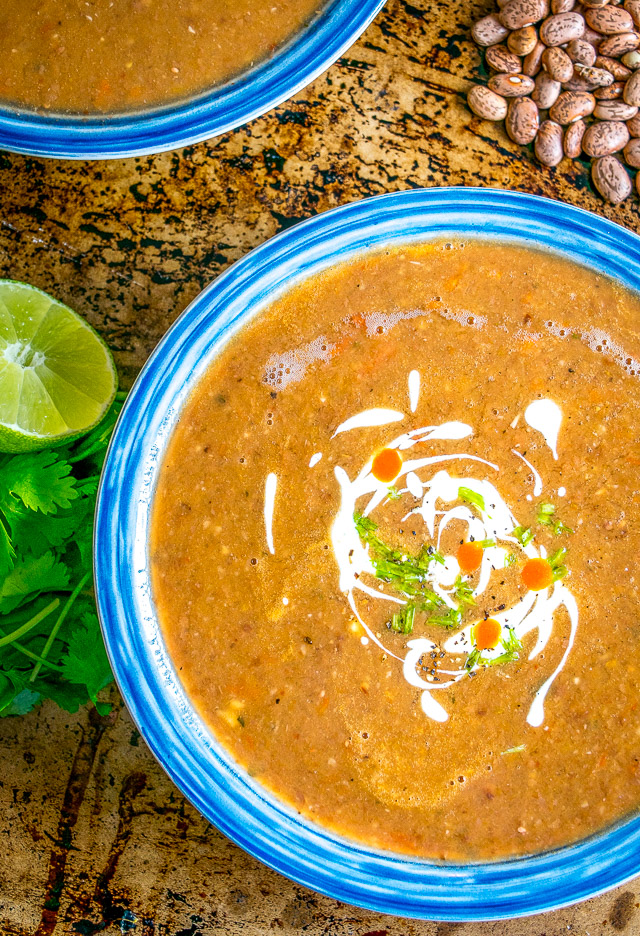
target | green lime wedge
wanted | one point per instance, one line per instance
(57, 376)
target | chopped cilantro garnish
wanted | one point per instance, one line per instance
(402, 621)
(512, 648)
(450, 618)
(524, 535)
(407, 573)
(471, 497)
(546, 517)
(393, 493)
(511, 559)
(463, 592)
(558, 568)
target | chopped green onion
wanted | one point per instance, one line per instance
(471, 497)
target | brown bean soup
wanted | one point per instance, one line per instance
(394, 549)
(87, 56)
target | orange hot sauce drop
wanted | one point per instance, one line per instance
(469, 557)
(537, 574)
(486, 634)
(386, 465)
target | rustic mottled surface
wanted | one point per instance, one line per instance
(96, 839)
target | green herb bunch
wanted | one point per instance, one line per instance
(50, 640)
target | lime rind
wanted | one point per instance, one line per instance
(57, 376)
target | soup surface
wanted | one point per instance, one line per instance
(394, 549)
(95, 56)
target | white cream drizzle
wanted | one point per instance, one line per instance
(496, 521)
(269, 501)
(414, 389)
(537, 487)
(313, 461)
(367, 418)
(545, 417)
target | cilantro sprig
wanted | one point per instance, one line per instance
(546, 517)
(512, 648)
(50, 640)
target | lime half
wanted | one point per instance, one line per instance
(57, 376)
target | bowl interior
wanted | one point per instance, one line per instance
(183, 744)
(179, 123)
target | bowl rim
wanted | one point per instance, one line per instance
(202, 769)
(252, 93)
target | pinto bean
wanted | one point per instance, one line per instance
(561, 28)
(522, 120)
(489, 30)
(548, 143)
(596, 77)
(616, 46)
(611, 179)
(632, 60)
(573, 138)
(609, 20)
(580, 51)
(562, 6)
(501, 60)
(612, 93)
(633, 126)
(633, 7)
(632, 153)
(519, 13)
(486, 103)
(533, 61)
(605, 138)
(522, 41)
(511, 85)
(617, 69)
(557, 64)
(614, 110)
(571, 105)
(631, 93)
(546, 91)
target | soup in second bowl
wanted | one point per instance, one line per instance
(88, 56)
(394, 550)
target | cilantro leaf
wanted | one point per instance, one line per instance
(471, 497)
(30, 576)
(41, 480)
(7, 551)
(86, 661)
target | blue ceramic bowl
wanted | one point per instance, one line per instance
(187, 750)
(249, 95)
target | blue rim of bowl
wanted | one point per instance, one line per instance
(251, 94)
(202, 769)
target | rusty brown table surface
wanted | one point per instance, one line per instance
(95, 837)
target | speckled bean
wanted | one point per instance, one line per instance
(561, 28)
(573, 139)
(614, 110)
(519, 13)
(522, 41)
(611, 93)
(502, 60)
(557, 64)
(631, 93)
(546, 91)
(548, 143)
(562, 6)
(633, 126)
(533, 61)
(609, 20)
(580, 51)
(615, 46)
(511, 85)
(611, 179)
(633, 7)
(617, 69)
(489, 30)
(486, 103)
(571, 105)
(632, 153)
(522, 120)
(605, 137)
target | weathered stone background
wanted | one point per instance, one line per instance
(95, 838)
